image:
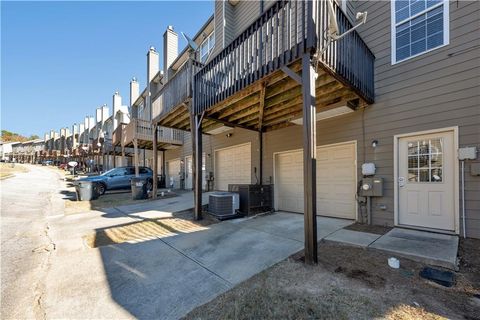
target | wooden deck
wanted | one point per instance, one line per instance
(246, 85)
(141, 130)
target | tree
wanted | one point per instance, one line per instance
(8, 136)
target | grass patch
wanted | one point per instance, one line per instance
(7, 170)
(349, 283)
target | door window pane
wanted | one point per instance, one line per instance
(425, 160)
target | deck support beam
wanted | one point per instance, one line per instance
(155, 161)
(135, 157)
(196, 130)
(260, 129)
(163, 167)
(309, 160)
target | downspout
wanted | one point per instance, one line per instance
(260, 135)
(224, 22)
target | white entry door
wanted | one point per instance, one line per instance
(426, 181)
(188, 172)
(336, 181)
(173, 173)
(233, 165)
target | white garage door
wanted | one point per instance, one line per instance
(173, 173)
(336, 181)
(233, 165)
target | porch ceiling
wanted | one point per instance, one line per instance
(268, 104)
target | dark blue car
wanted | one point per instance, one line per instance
(119, 178)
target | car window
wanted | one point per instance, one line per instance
(143, 171)
(130, 171)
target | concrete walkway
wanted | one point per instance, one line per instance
(426, 247)
(165, 277)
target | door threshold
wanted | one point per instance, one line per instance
(432, 230)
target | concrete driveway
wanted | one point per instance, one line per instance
(164, 278)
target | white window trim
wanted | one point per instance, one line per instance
(207, 39)
(393, 24)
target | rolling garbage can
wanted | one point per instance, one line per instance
(139, 188)
(86, 190)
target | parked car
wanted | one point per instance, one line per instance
(47, 163)
(120, 178)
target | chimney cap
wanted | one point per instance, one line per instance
(116, 93)
(134, 79)
(152, 48)
(170, 27)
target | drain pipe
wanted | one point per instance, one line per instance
(369, 210)
(463, 199)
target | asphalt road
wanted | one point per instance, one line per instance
(26, 200)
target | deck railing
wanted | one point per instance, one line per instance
(176, 91)
(279, 36)
(117, 134)
(142, 130)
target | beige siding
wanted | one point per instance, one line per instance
(435, 90)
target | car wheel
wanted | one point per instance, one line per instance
(101, 189)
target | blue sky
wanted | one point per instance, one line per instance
(61, 60)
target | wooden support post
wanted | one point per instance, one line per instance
(123, 156)
(114, 156)
(164, 175)
(261, 109)
(155, 161)
(309, 160)
(135, 157)
(196, 130)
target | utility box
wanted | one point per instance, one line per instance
(254, 198)
(371, 187)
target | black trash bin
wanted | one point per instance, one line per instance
(87, 190)
(139, 188)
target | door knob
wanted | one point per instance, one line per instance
(401, 181)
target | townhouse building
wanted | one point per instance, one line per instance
(309, 98)
(399, 92)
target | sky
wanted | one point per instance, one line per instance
(62, 60)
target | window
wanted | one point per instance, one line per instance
(425, 160)
(207, 46)
(418, 26)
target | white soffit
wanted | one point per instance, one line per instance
(219, 130)
(327, 114)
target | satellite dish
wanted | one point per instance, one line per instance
(190, 42)
(333, 32)
(333, 29)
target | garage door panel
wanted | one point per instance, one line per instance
(232, 165)
(342, 153)
(336, 181)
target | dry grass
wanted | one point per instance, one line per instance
(146, 230)
(348, 283)
(108, 200)
(406, 312)
(7, 170)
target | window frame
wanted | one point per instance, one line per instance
(393, 25)
(207, 41)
